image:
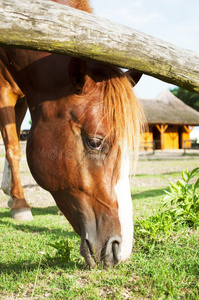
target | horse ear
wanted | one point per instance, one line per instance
(134, 75)
(77, 71)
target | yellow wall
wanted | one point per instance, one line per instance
(147, 140)
(184, 137)
(170, 138)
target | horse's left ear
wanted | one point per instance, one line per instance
(77, 71)
(134, 75)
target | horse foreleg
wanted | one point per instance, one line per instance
(7, 181)
(12, 110)
(20, 209)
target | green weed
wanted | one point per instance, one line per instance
(63, 251)
(182, 201)
(182, 209)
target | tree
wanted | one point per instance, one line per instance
(187, 97)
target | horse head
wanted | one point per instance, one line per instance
(84, 159)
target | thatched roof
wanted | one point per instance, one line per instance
(168, 109)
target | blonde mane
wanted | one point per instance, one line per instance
(81, 5)
(122, 110)
(78, 4)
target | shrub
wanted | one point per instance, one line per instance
(63, 251)
(182, 201)
(180, 207)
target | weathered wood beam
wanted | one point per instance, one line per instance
(48, 26)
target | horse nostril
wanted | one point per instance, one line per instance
(113, 249)
(109, 254)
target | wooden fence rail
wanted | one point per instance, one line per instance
(49, 26)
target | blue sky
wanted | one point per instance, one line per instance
(175, 21)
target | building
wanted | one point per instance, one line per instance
(170, 122)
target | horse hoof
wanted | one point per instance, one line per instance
(10, 202)
(23, 214)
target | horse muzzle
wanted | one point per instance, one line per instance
(108, 254)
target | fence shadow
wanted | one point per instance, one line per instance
(149, 194)
(32, 226)
(36, 211)
(27, 265)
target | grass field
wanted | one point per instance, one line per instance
(166, 269)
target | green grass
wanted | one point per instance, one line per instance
(165, 269)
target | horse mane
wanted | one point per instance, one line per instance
(122, 109)
(81, 5)
(78, 4)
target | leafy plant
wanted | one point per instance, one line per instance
(182, 201)
(156, 225)
(182, 207)
(63, 251)
(153, 230)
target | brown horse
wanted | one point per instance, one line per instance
(84, 118)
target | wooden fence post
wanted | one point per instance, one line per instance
(52, 27)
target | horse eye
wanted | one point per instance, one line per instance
(95, 143)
